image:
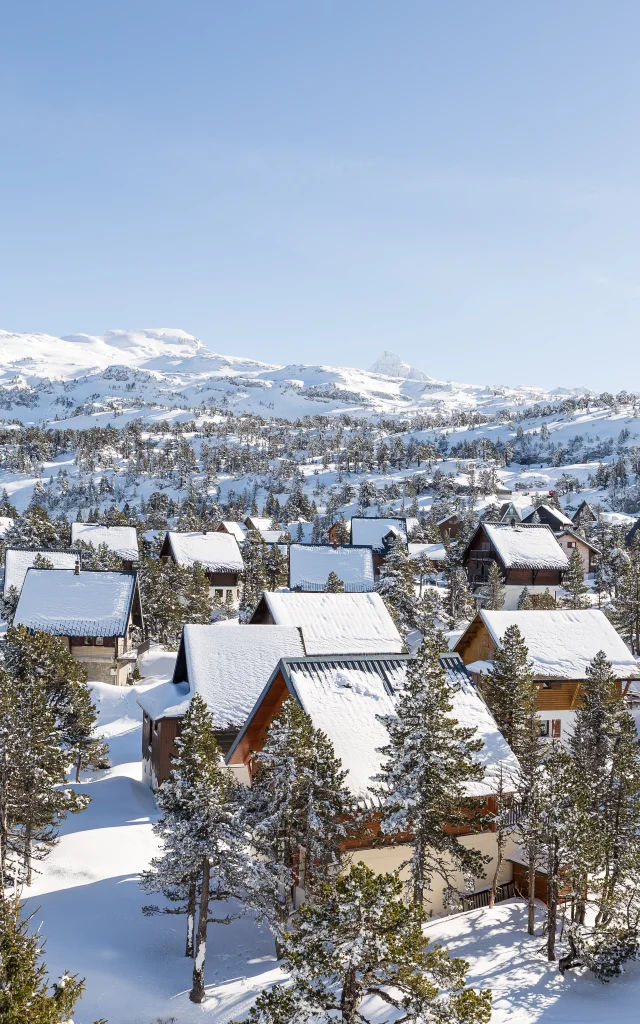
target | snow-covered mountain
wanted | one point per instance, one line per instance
(147, 372)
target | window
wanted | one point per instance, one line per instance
(219, 593)
(571, 544)
(544, 728)
(551, 684)
(556, 728)
(87, 641)
(100, 641)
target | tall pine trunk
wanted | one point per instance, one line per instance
(191, 916)
(350, 999)
(531, 909)
(552, 898)
(197, 993)
(78, 766)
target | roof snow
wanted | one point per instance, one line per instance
(237, 530)
(216, 552)
(434, 552)
(562, 643)
(228, 666)
(371, 532)
(345, 698)
(310, 565)
(526, 546)
(122, 540)
(338, 623)
(556, 513)
(17, 561)
(258, 522)
(87, 604)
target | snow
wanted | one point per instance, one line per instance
(6, 522)
(87, 604)
(122, 540)
(216, 552)
(391, 365)
(18, 561)
(338, 623)
(345, 698)
(560, 516)
(371, 532)
(310, 565)
(529, 546)
(237, 530)
(562, 642)
(229, 667)
(434, 552)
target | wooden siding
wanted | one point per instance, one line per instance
(158, 745)
(223, 579)
(256, 734)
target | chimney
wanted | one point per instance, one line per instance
(77, 568)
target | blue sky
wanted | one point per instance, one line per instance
(317, 181)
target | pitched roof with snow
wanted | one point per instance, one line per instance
(310, 565)
(337, 623)
(87, 604)
(434, 552)
(552, 513)
(526, 546)
(18, 560)
(216, 552)
(237, 530)
(227, 665)
(122, 540)
(562, 643)
(371, 532)
(258, 522)
(344, 699)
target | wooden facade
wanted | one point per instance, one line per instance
(480, 553)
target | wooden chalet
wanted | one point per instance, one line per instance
(527, 555)
(217, 553)
(378, 533)
(509, 513)
(122, 541)
(569, 540)
(95, 612)
(237, 530)
(228, 666)
(450, 527)
(550, 516)
(584, 514)
(345, 697)
(561, 645)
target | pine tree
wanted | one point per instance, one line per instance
(395, 585)
(6, 507)
(524, 601)
(493, 592)
(360, 939)
(254, 581)
(625, 612)
(573, 583)
(78, 734)
(428, 761)
(195, 595)
(277, 570)
(10, 604)
(100, 559)
(160, 588)
(459, 603)
(36, 530)
(334, 584)
(530, 787)
(509, 685)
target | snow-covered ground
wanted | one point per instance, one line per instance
(90, 906)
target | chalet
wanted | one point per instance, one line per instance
(17, 561)
(550, 516)
(435, 553)
(237, 530)
(561, 645)
(569, 540)
(584, 515)
(528, 555)
(95, 612)
(121, 540)
(450, 527)
(333, 623)
(258, 523)
(345, 697)
(217, 553)
(228, 666)
(311, 564)
(379, 534)
(509, 513)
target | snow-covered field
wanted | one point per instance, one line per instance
(90, 906)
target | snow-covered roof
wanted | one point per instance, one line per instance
(371, 532)
(562, 643)
(271, 536)
(560, 516)
(228, 666)
(307, 531)
(344, 699)
(237, 530)
(338, 623)
(18, 560)
(434, 552)
(6, 522)
(526, 546)
(87, 604)
(310, 565)
(258, 522)
(122, 540)
(216, 552)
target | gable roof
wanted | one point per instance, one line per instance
(580, 540)
(337, 623)
(344, 698)
(18, 560)
(122, 540)
(64, 603)
(435, 552)
(227, 665)
(237, 530)
(310, 565)
(216, 552)
(584, 506)
(525, 546)
(258, 522)
(552, 513)
(371, 531)
(561, 642)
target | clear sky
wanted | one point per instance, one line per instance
(318, 180)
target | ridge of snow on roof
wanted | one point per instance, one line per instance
(122, 540)
(310, 565)
(435, 552)
(526, 546)
(562, 642)
(229, 667)
(216, 552)
(338, 623)
(237, 530)
(344, 699)
(87, 604)
(370, 532)
(560, 516)
(17, 561)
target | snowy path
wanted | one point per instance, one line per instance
(90, 907)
